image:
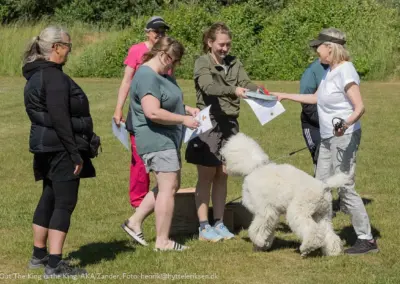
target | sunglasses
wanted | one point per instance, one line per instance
(160, 33)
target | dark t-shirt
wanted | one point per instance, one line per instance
(309, 83)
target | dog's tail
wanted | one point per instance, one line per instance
(242, 155)
(337, 180)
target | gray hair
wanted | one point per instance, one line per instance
(41, 46)
(339, 52)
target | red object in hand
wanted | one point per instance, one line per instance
(266, 92)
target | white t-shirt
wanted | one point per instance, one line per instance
(332, 99)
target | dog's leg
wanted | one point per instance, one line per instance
(262, 229)
(332, 244)
(299, 217)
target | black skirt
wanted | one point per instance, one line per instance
(205, 149)
(58, 166)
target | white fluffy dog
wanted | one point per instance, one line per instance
(270, 190)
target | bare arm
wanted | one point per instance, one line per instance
(153, 111)
(193, 111)
(310, 99)
(353, 93)
(123, 93)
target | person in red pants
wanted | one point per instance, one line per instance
(139, 181)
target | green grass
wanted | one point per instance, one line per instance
(16, 37)
(97, 242)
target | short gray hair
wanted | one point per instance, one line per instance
(40, 46)
(339, 52)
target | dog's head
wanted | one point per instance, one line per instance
(242, 155)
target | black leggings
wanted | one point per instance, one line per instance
(56, 204)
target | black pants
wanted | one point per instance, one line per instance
(56, 204)
(312, 137)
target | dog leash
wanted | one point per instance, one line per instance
(340, 123)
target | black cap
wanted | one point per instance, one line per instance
(156, 23)
(326, 38)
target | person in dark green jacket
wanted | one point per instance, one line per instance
(309, 83)
(220, 81)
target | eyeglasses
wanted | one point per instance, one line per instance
(171, 59)
(69, 44)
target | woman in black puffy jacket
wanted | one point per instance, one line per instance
(61, 128)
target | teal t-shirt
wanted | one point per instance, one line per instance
(151, 136)
(312, 77)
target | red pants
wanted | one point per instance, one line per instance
(139, 182)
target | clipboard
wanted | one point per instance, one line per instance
(261, 96)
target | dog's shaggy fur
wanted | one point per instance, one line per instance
(270, 190)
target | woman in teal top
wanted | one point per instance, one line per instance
(309, 83)
(158, 117)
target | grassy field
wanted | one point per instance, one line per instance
(97, 242)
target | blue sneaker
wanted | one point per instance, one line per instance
(209, 234)
(223, 231)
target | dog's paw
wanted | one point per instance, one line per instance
(309, 251)
(312, 253)
(257, 240)
(260, 249)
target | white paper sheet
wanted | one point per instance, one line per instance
(265, 110)
(121, 133)
(205, 124)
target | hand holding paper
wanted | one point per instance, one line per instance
(205, 124)
(121, 133)
(261, 96)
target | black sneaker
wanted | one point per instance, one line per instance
(63, 270)
(35, 262)
(363, 247)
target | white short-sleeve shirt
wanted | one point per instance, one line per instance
(332, 100)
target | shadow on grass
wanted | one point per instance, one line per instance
(96, 252)
(349, 236)
(336, 203)
(347, 233)
(277, 244)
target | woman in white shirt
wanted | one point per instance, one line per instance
(338, 97)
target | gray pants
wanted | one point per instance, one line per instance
(338, 154)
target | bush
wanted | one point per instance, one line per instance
(27, 10)
(107, 12)
(271, 42)
(370, 28)
(187, 24)
(105, 57)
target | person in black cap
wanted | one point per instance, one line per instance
(340, 107)
(139, 183)
(157, 25)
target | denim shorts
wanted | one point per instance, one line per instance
(162, 161)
